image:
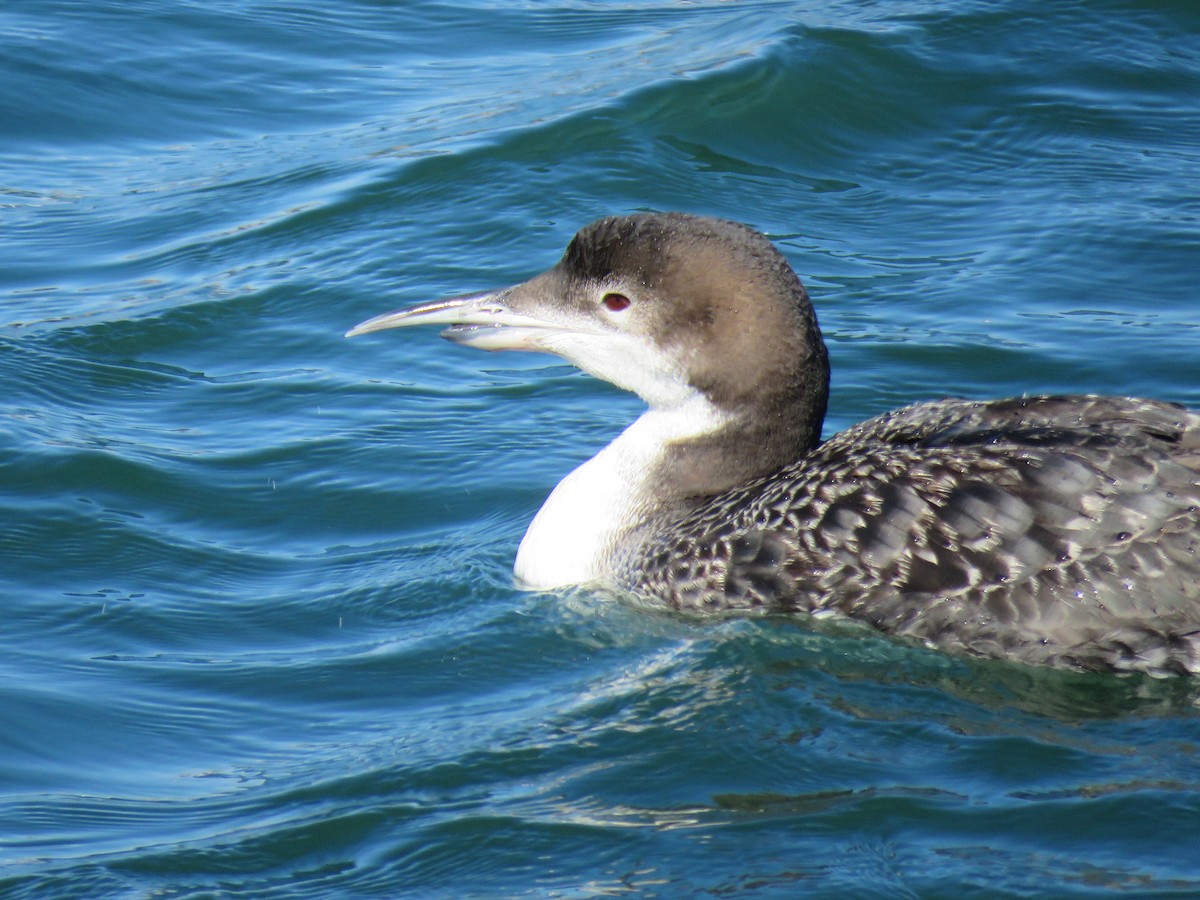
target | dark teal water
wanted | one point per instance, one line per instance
(259, 638)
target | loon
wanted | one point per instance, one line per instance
(1052, 530)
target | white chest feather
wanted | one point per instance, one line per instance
(570, 539)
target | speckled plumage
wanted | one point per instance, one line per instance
(1048, 530)
(1053, 530)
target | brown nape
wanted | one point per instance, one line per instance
(751, 344)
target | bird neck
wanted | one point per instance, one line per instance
(668, 459)
(571, 539)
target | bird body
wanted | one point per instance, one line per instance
(1050, 530)
(1054, 530)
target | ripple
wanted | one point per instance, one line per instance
(261, 635)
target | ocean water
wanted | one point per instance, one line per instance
(259, 637)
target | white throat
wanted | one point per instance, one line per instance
(570, 540)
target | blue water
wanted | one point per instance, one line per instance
(259, 636)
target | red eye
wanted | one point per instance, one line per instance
(616, 302)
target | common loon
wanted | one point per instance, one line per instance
(1053, 530)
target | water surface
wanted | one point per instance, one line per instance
(260, 635)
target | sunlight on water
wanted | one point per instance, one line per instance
(261, 633)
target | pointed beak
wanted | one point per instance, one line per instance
(481, 320)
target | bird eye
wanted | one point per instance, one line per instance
(616, 302)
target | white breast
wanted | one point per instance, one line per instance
(570, 540)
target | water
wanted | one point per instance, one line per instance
(260, 639)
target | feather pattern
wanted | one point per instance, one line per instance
(1054, 530)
